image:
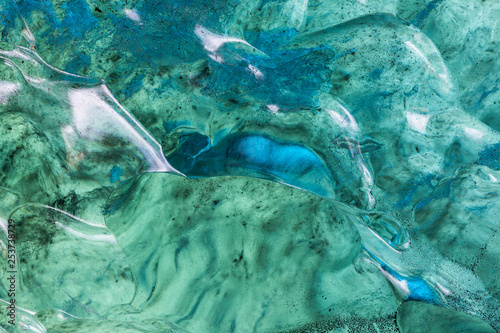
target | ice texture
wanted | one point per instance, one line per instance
(249, 166)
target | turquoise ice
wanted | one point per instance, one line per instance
(253, 166)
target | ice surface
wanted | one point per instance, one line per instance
(249, 166)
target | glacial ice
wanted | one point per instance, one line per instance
(251, 166)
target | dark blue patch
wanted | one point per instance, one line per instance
(375, 75)
(116, 173)
(386, 93)
(427, 200)
(78, 19)
(78, 63)
(424, 13)
(483, 96)
(44, 6)
(413, 91)
(478, 210)
(490, 157)
(419, 185)
(134, 86)
(9, 21)
(407, 198)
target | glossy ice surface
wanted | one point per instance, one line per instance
(250, 166)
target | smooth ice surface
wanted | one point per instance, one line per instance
(250, 166)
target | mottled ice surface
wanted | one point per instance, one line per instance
(249, 166)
